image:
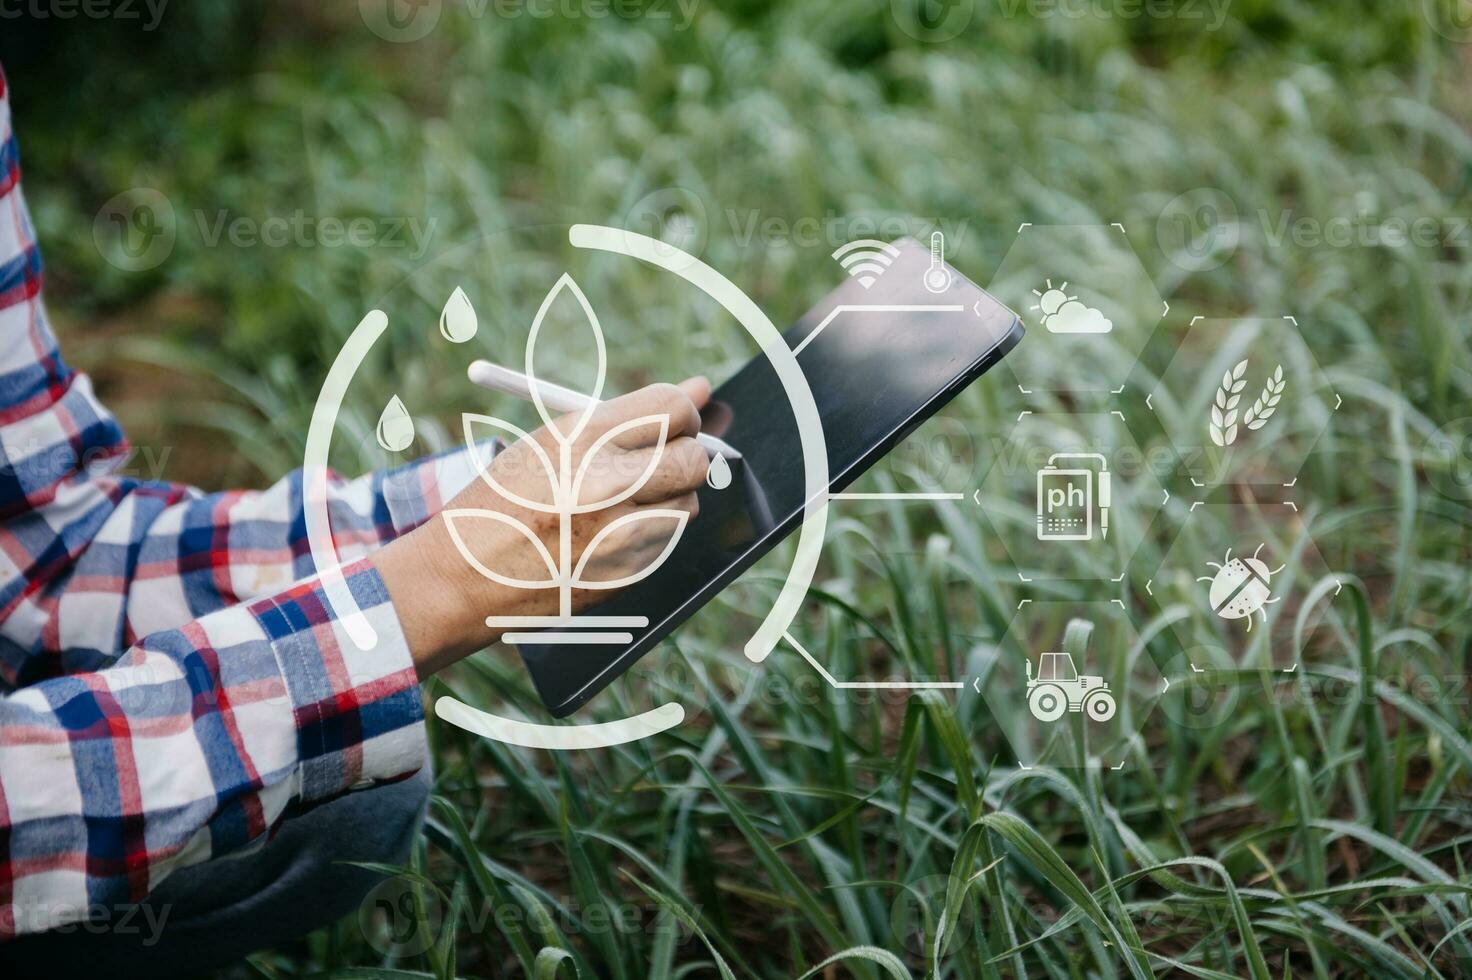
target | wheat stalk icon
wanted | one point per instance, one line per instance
(1223, 424)
(564, 570)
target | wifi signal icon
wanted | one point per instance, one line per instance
(866, 259)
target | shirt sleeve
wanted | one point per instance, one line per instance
(150, 718)
(93, 559)
(196, 743)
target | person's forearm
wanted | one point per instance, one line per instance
(440, 611)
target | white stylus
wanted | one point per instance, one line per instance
(560, 399)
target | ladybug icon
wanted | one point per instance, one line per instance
(1241, 587)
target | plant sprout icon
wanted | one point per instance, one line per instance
(565, 571)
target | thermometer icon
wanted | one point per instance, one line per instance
(937, 277)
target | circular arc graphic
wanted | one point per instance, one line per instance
(810, 535)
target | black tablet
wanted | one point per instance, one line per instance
(877, 368)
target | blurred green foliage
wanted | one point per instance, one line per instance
(1311, 836)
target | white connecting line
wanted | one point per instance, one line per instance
(865, 308)
(896, 496)
(869, 685)
(822, 325)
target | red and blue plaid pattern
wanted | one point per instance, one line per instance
(166, 694)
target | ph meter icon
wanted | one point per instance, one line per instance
(1068, 499)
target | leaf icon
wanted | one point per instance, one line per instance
(566, 285)
(463, 518)
(457, 319)
(1223, 424)
(1267, 401)
(395, 426)
(523, 443)
(597, 456)
(679, 517)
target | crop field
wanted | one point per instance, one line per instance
(1291, 186)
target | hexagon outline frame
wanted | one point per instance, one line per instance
(1326, 388)
(1116, 386)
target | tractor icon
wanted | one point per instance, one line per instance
(1059, 686)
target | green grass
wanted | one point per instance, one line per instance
(1315, 823)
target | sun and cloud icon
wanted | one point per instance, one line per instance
(1063, 313)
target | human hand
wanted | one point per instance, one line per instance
(443, 602)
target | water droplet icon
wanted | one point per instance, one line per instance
(395, 427)
(457, 320)
(718, 474)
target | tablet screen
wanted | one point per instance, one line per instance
(877, 368)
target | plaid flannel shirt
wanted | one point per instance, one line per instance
(167, 695)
